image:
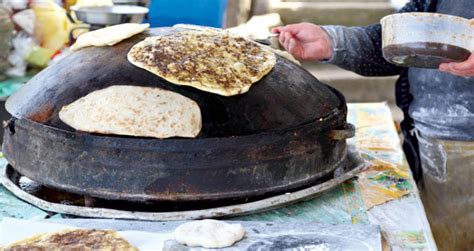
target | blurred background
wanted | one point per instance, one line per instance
(37, 33)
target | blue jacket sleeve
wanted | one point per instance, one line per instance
(359, 49)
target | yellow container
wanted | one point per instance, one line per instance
(52, 26)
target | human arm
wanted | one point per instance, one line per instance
(358, 49)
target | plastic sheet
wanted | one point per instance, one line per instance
(388, 177)
(447, 191)
(23, 44)
(383, 182)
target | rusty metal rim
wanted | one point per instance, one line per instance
(317, 122)
(163, 144)
(314, 123)
(217, 212)
(236, 194)
(186, 155)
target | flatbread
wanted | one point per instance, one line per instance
(209, 234)
(248, 35)
(78, 239)
(134, 111)
(286, 55)
(108, 36)
(216, 62)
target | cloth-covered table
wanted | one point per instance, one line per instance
(384, 194)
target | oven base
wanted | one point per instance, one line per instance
(53, 200)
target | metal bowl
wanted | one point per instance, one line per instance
(426, 40)
(110, 15)
(130, 2)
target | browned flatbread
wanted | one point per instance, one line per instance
(209, 60)
(80, 239)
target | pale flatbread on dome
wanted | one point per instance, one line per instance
(108, 36)
(134, 111)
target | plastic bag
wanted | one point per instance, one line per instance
(6, 33)
(40, 57)
(59, 56)
(25, 19)
(447, 190)
(52, 26)
(23, 45)
(16, 4)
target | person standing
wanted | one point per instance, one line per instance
(438, 106)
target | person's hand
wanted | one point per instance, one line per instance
(305, 41)
(463, 69)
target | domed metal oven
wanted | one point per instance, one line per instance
(287, 132)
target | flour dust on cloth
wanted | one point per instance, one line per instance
(108, 36)
(209, 60)
(134, 111)
(209, 234)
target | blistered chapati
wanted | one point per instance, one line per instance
(108, 36)
(79, 239)
(134, 111)
(216, 62)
